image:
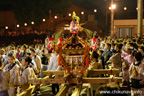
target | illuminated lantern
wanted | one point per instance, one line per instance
(50, 44)
(94, 43)
(74, 27)
(60, 42)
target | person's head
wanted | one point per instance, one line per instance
(33, 52)
(18, 48)
(11, 47)
(100, 52)
(103, 45)
(108, 46)
(138, 56)
(128, 50)
(36, 46)
(1, 51)
(118, 47)
(94, 56)
(24, 47)
(131, 44)
(141, 49)
(113, 45)
(26, 60)
(11, 58)
(95, 36)
(1, 63)
(49, 35)
(135, 46)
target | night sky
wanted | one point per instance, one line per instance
(92, 4)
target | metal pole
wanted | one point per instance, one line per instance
(140, 18)
(112, 19)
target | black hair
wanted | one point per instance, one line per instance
(138, 56)
(1, 62)
(134, 40)
(27, 59)
(49, 35)
(131, 44)
(101, 51)
(118, 41)
(95, 36)
(25, 46)
(120, 46)
(32, 49)
(28, 54)
(142, 48)
(135, 46)
(113, 44)
(95, 55)
(11, 55)
(109, 44)
(125, 43)
(133, 52)
(12, 46)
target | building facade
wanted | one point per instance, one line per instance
(126, 27)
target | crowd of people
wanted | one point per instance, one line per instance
(20, 63)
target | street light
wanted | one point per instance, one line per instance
(82, 12)
(32, 22)
(109, 8)
(55, 17)
(25, 24)
(113, 6)
(18, 25)
(69, 14)
(95, 10)
(44, 20)
(6, 27)
(125, 8)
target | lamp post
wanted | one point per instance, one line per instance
(6, 27)
(17, 27)
(112, 17)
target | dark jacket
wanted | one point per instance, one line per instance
(107, 56)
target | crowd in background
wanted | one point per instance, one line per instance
(29, 61)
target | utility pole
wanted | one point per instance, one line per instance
(112, 19)
(140, 18)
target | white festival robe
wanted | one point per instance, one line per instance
(14, 78)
